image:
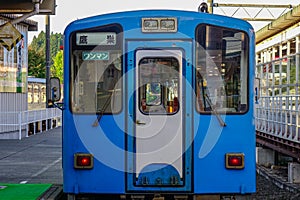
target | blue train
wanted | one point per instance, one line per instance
(158, 104)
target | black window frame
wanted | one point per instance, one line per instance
(198, 37)
(114, 27)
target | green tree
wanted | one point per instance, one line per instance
(37, 54)
(36, 64)
(57, 67)
(55, 42)
(38, 43)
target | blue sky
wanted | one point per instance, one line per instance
(69, 10)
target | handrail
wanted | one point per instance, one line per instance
(279, 116)
(15, 121)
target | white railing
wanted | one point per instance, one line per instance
(279, 116)
(18, 121)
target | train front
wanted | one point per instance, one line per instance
(158, 105)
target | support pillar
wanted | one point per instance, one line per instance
(265, 157)
(293, 172)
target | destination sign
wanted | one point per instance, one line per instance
(96, 38)
(95, 55)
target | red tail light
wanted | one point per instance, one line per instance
(235, 161)
(83, 161)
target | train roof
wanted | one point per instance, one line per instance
(187, 15)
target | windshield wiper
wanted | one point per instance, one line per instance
(102, 110)
(217, 114)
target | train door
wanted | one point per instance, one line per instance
(160, 159)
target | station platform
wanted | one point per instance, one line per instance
(32, 167)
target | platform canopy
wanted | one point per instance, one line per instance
(46, 7)
(285, 21)
(18, 11)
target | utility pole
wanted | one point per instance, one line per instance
(210, 4)
(47, 23)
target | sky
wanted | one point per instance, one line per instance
(70, 10)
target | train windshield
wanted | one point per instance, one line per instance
(96, 72)
(221, 70)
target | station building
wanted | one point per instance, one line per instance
(13, 77)
(16, 119)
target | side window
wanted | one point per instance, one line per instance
(221, 70)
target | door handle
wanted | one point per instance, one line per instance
(138, 122)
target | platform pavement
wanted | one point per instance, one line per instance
(35, 159)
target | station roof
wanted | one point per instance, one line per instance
(46, 7)
(32, 25)
(19, 10)
(283, 22)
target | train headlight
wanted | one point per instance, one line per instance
(168, 24)
(159, 24)
(235, 161)
(83, 161)
(150, 24)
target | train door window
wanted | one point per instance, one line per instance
(221, 70)
(159, 85)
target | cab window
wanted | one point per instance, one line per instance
(221, 70)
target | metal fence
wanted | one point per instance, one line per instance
(278, 111)
(279, 116)
(19, 121)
